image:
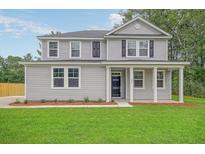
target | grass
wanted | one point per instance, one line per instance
(140, 124)
(190, 99)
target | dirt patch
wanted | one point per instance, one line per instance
(60, 103)
(166, 104)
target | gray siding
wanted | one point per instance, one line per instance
(115, 50)
(143, 29)
(38, 79)
(147, 92)
(64, 50)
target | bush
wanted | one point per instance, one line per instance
(71, 100)
(25, 101)
(17, 101)
(100, 100)
(86, 99)
(56, 100)
(43, 101)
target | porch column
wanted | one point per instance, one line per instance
(107, 84)
(181, 84)
(131, 84)
(155, 84)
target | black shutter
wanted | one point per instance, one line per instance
(96, 48)
(123, 48)
(151, 48)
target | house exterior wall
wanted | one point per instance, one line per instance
(147, 92)
(64, 50)
(115, 50)
(38, 79)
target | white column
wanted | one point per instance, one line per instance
(155, 84)
(126, 83)
(181, 84)
(107, 84)
(131, 84)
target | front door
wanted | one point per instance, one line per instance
(116, 84)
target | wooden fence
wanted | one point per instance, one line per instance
(11, 89)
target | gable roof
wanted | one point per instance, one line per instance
(141, 19)
(79, 34)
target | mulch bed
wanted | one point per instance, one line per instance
(60, 103)
(166, 104)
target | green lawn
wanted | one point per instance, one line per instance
(189, 99)
(140, 124)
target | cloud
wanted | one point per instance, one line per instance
(19, 26)
(115, 19)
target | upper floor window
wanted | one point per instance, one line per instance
(143, 48)
(75, 47)
(96, 49)
(137, 48)
(139, 79)
(160, 79)
(52, 49)
(131, 47)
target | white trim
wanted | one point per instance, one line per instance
(66, 77)
(181, 84)
(138, 48)
(138, 18)
(71, 50)
(92, 49)
(154, 81)
(163, 71)
(170, 83)
(131, 84)
(25, 78)
(107, 84)
(48, 49)
(143, 80)
(138, 37)
(147, 64)
(126, 82)
(66, 38)
(107, 49)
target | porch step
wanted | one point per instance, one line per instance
(122, 103)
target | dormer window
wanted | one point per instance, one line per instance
(53, 49)
(75, 47)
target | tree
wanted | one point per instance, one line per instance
(187, 28)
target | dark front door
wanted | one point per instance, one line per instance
(116, 86)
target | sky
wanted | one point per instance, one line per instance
(19, 28)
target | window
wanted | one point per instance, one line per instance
(73, 77)
(137, 48)
(131, 46)
(58, 77)
(139, 79)
(53, 49)
(96, 49)
(160, 79)
(143, 48)
(75, 49)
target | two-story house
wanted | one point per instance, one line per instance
(129, 62)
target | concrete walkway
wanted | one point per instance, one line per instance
(122, 103)
(5, 101)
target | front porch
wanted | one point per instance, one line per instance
(121, 82)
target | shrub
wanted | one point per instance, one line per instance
(43, 101)
(71, 100)
(100, 100)
(56, 100)
(86, 99)
(17, 101)
(25, 101)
